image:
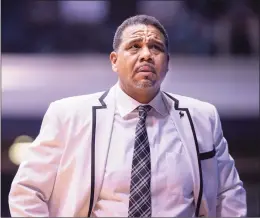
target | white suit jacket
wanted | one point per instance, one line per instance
(63, 172)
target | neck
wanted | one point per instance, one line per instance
(142, 95)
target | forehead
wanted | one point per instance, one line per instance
(142, 31)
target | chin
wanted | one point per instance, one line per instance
(145, 84)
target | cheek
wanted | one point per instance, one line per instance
(123, 69)
(120, 66)
(162, 66)
(127, 65)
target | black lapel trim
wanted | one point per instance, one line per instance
(207, 155)
(176, 106)
(93, 140)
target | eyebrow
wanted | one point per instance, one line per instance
(152, 40)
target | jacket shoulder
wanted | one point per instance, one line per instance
(79, 100)
(74, 105)
(193, 104)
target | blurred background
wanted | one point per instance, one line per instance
(56, 49)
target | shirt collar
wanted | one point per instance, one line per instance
(126, 104)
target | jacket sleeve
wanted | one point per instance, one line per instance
(32, 185)
(231, 199)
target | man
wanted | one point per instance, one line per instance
(133, 150)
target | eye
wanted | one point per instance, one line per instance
(135, 46)
(156, 47)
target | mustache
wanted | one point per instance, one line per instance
(146, 67)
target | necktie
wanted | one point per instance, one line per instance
(140, 193)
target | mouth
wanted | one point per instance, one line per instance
(146, 69)
(145, 74)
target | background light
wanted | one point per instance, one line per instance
(19, 148)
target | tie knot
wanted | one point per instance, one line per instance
(143, 110)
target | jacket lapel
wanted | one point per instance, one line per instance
(186, 130)
(102, 122)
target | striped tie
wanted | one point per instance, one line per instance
(140, 193)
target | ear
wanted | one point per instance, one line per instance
(113, 60)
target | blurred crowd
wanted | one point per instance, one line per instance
(200, 27)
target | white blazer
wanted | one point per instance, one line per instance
(64, 169)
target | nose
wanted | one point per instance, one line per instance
(146, 54)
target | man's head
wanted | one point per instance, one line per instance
(140, 55)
